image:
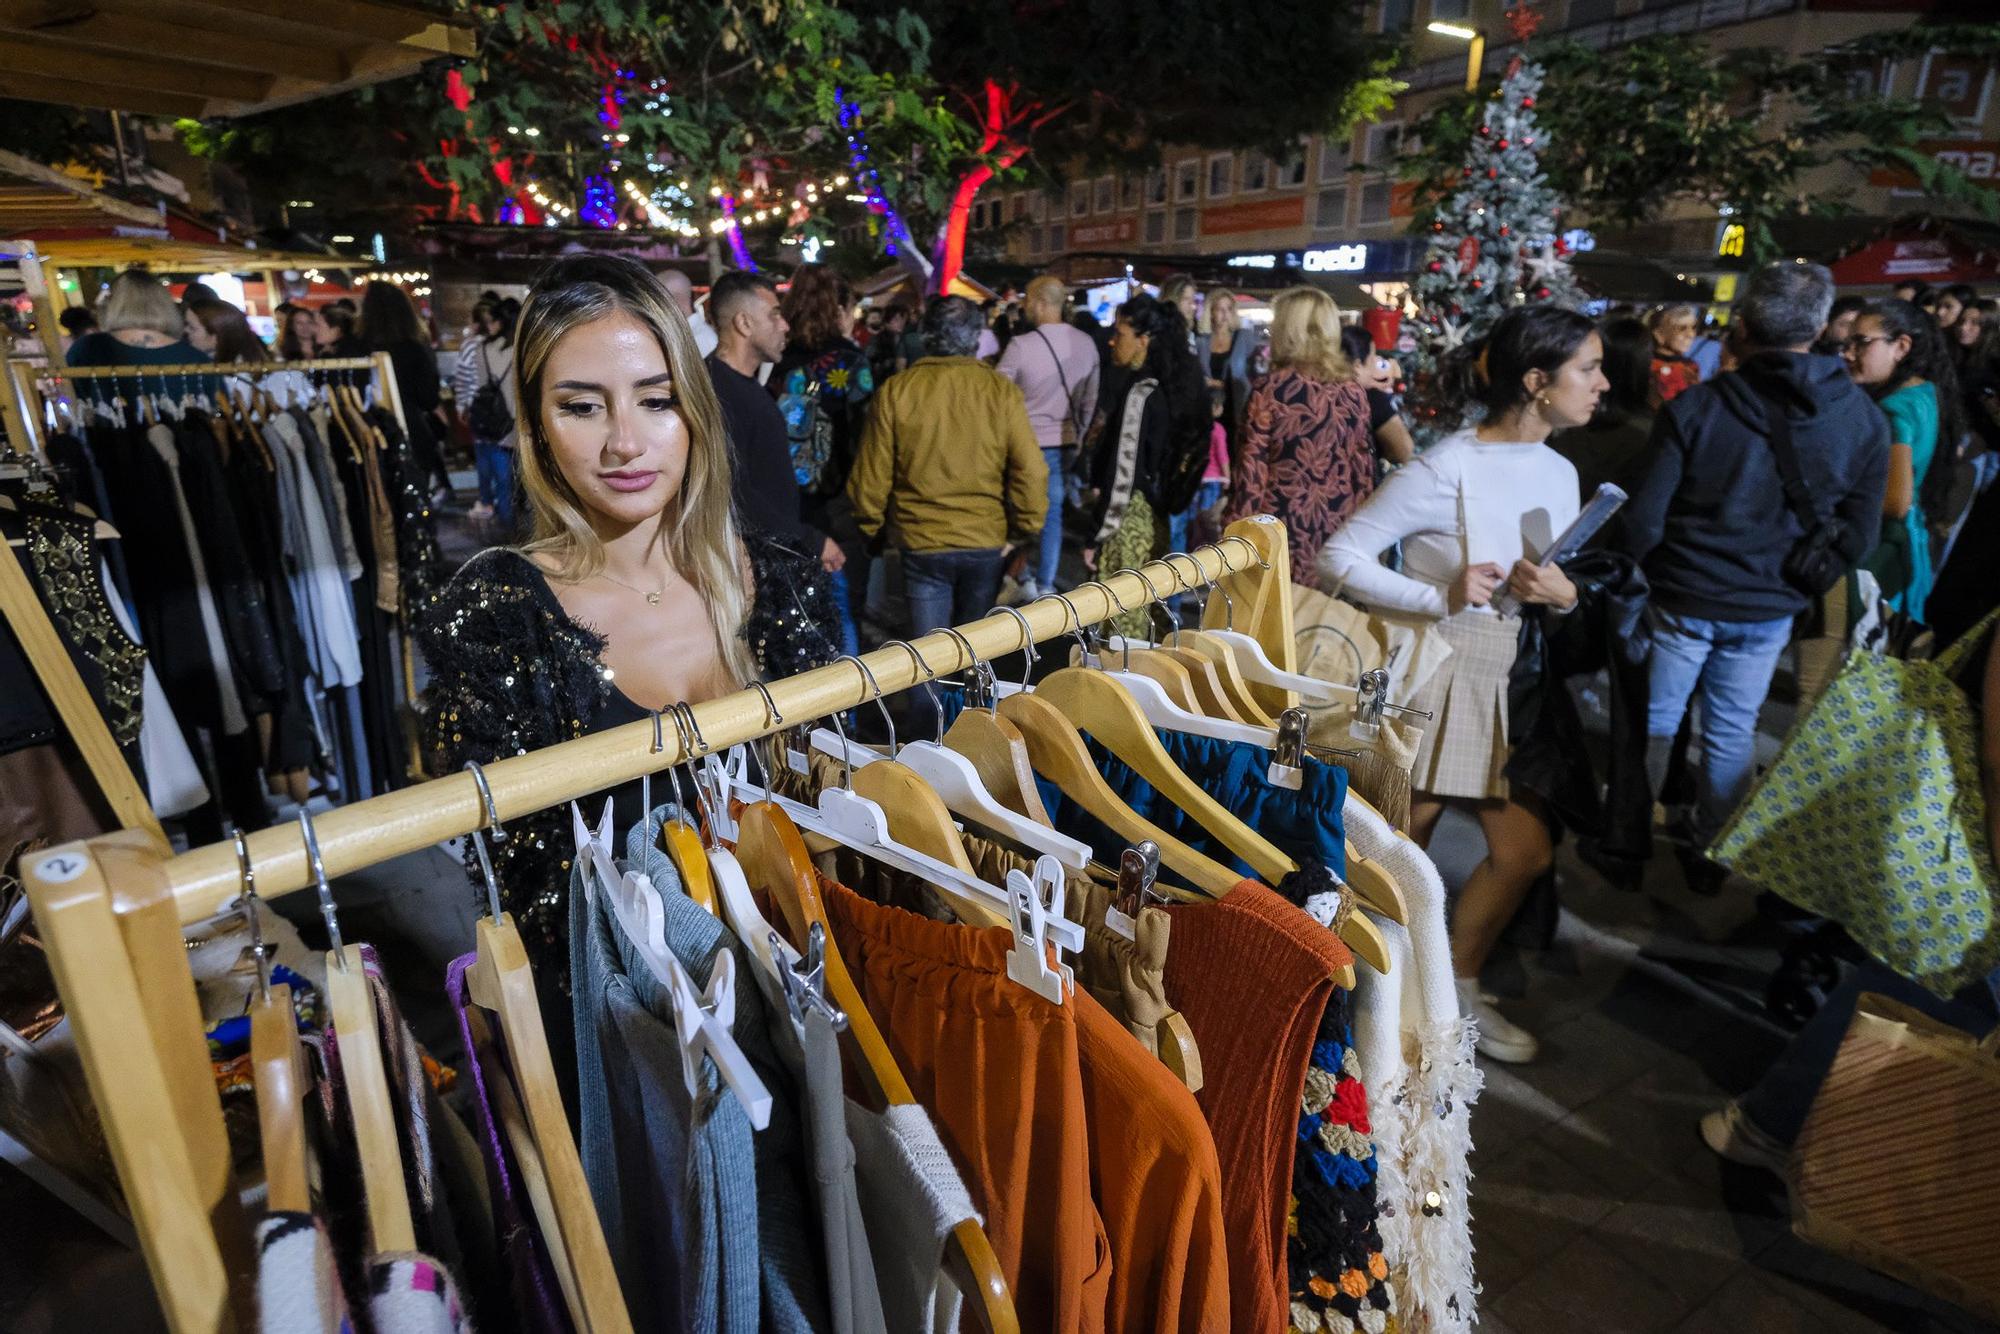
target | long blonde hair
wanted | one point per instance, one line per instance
(1305, 334)
(138, 300)
(697, 528)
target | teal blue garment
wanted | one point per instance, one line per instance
(1304, 823)
(705, 1218)
(1913, 420)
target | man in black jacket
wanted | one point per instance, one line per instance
(1710, 525)
(749, 331)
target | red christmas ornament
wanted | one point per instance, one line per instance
(1528, 103)
(1478, 283)
(1542, 293)
(456, 92)
(1437, 266)
(1468, 252)
(1503, 143)
(1493, 173)
(1506, 230)
(1485, 130)
(1468, 171)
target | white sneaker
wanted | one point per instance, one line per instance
(1737, 1139)
(1499, 1040)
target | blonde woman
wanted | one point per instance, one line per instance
(635, 589)
(1227, 348)
(1307, 455)
(140, 324)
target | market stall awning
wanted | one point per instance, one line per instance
(35, 198)
(1921, 249)
(202, 58)
(170, 255)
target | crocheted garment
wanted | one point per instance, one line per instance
(1338, 1272)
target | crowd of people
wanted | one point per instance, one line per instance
(932, 460)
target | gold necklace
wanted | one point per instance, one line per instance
(652, 598)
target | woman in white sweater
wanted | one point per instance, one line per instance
(1473, 512)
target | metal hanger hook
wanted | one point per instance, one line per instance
(1215, 586)
(929, 682)
(700, 807)
(646, 779)
(326, 908)
(1125, 641)
(247, 901)
(1076, 627)
(875, 686)
(686, 710)
(1029, 656)
(1255, 554)
(982, 672)
(1160, 603)
(479, 839)
(772, 718)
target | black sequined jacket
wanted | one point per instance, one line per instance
(511, 672)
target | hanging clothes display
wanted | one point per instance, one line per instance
(244, 540)
(980, 1055)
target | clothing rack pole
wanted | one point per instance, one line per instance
(366, 832)
(367, 363)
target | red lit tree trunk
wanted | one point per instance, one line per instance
(1005, 128)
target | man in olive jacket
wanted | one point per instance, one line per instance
(949, 472)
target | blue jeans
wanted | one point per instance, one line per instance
(1731, 662)
(950, 587)
(843, 613)
(1779, 1102)
(1049, 558)
(495, 466)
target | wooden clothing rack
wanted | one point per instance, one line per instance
(26, 389)
(111, 911)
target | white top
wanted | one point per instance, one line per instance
(1517, 499)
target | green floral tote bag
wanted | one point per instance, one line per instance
(1873, 816)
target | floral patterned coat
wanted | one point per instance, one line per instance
(1307, 457)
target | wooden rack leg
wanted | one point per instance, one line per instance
(170, 1188)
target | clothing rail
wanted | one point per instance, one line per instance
(205, 880)
(111, 911)
(376, 363)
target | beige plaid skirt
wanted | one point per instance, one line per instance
(1464, 748)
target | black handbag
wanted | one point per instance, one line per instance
(1815, 563)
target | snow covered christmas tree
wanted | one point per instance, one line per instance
(1494, 241)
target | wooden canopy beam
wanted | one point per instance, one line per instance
(101, 28)
(144, 74)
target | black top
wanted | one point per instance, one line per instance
(416, 376)
(761, 480)
(1708, 520)
(512, 672)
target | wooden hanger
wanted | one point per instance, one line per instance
(277, 1067)
(1097, 704)
(513, 1124)
(1262, 603)
(364, 1080)
(1172, 674)
(774, 859)
(351, 1004)
(1103, 706)
(1059, 753)
(1221, 660)
(500, 980)
(995, 746)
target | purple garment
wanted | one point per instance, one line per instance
(533, 1275)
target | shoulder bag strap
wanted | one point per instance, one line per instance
(1069, 395)
(1798, 495)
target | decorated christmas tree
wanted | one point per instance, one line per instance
(1495, 241)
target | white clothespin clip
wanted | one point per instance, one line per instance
(702, 1017)
(1288, 758)
(1035, 903)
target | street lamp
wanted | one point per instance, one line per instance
(1475, 55)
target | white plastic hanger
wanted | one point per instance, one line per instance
(853, 821)
(703, 1017)
(1037, 905)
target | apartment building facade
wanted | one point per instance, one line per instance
(1335, 210)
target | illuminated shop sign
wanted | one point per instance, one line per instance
(1335, 259)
